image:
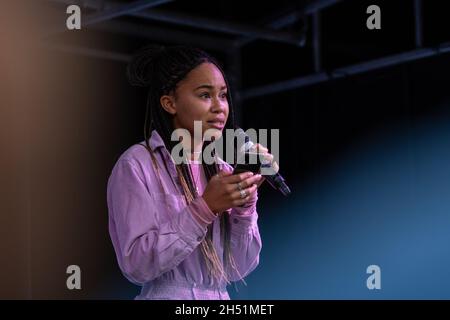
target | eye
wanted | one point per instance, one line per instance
(224, 95)
(204, 95)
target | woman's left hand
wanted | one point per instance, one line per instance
(265, 155)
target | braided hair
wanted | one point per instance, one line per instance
(160, 69)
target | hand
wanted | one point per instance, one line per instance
(222, 191)
(265, 156)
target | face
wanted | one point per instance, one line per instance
(200, 96)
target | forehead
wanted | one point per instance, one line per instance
(204, 74)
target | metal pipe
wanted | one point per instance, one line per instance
(220, 26)
(346, 71)
(318, 5)
(316, 41)
(164, 35)
(291, 18)
(121, 10)
(280, 22)
(418, 22)
(200, 22)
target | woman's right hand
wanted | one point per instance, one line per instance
(222, 191)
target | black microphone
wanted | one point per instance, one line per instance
(275, 180)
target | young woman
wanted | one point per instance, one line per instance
(182, 231)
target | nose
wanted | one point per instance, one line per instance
(219, 105)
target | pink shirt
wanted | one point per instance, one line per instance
(156, 236)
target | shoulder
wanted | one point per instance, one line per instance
(136, 154)
(137, 158)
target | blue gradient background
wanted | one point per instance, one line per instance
(384, 201)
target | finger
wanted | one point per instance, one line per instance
(268, 156)
(251, 180)
(248, 192)
(261, 148)
(260, 182)
(223, 174)
(251, 190)
(241, 201)
(235, 178)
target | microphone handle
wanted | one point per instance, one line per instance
(277, 182)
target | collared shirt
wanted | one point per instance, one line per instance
(155, 233)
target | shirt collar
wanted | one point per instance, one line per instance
(156, 142)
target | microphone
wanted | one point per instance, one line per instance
(275, 180)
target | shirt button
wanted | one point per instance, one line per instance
(199, 239)
(235, 220)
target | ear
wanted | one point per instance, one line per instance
(168, 104)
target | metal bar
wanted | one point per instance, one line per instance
(418, 22)
(384, 62)
(164, 35)
(290, 18)
(200, 22)
(121, 10)
(316, 31)
(444, 47)
(276, 23)
(104, 13)
(318, 5)
(234, 72)
(284, 85)
(272, 88)
(155, 33)
(285, 20)
(346, 71)
(219, 26)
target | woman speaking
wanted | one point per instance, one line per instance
(182, 230)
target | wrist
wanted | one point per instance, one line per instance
(211, 207)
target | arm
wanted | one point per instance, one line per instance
(245, 239)
(146, 248)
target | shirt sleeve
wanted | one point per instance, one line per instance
(145, 248)
(245, 239)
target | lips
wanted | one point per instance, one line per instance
(217, 123)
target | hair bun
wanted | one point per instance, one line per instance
(141, 65)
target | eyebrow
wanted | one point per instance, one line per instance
(208, 86)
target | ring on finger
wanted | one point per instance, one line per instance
(243, 194)
(239, 186)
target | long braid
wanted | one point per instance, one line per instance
(160, 69)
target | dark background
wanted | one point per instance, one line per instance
(366, 155)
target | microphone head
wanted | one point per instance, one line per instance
(244, 139)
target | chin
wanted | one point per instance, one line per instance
(212, 132)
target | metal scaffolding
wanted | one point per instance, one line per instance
(308, 12)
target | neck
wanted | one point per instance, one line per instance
(195, 155)
(192, 145)
(193, 150)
